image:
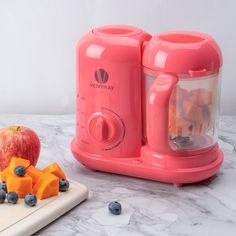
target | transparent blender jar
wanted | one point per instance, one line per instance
(181, 79)
(193, 112)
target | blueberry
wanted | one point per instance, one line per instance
(3, 186)
(20, 171)
(30, 200)
(114, 208)
(2, 196)
(12, 197)
(63, 185)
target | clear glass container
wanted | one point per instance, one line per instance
(193, 112)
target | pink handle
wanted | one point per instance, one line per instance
(158, 112)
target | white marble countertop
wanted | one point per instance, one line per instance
(149, 208)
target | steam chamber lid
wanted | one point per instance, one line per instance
(117, 31)
(183, 52)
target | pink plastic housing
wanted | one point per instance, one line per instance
(131, 104)
(109, 72)
(181, 72)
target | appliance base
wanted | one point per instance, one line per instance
(176, 170)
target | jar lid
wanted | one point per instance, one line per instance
(117, 31)
(182, 52)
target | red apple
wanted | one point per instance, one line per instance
(18, 141)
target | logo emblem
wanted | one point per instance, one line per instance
(101, 76)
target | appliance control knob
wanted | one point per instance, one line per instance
(102, 128)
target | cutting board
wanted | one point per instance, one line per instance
(22, 220)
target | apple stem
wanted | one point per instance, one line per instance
(15, 128)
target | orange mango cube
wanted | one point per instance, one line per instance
(55, 169)
(20, 185)
(17, 161)
(46, 186)
(34, 173)
(4, 174)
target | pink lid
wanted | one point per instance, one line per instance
(117, 30)
(183, 52)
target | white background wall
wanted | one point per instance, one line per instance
(37, 42)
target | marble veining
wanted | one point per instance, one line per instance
(149, 208)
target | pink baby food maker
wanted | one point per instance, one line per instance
(148, 106)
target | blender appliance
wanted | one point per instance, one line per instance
(147, 106)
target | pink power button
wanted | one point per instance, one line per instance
(103, 129)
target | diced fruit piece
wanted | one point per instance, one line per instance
(30, 200)
(180, 126)
(4, 174)
(178, 95)
(34, 173)
(3, 186)
(201, 97)
(194, 107)
(17, 161)
(114, 208)
(12, 197)
(193, 112)
(20, 171)
(21, 185)
(2, 196)
(63, 185)
(46, 186)
(55, 169)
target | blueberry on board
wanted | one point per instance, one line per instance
(3, 186)
(115, 208)
(20, 171)
(2, 196)
(30, 199)
(63, 185)
(12, 197)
